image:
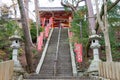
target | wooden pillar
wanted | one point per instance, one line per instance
(43, 21)
(52, 22)
(70, 20)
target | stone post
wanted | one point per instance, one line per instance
(94, 66)
(15, 45)
(18, 70)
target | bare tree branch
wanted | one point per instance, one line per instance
(115, 3)
(68, 4)
(104, 27)
(98, 17)
(78, 3)
(101, 14)
(108, 9)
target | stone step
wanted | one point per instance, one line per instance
(59, 77)
(54, 78)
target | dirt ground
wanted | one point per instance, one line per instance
(36, 58)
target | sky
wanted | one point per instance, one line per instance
(42, 3)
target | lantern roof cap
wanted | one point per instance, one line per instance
(94, 36)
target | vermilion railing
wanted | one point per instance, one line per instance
(45, 33)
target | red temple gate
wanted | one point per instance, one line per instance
(58, 16)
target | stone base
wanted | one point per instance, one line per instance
(18, 73)
(94, 67)
(17, 64)
(18, 67)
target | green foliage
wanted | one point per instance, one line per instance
(20, 51)
(34, 51)
(10, 56)
(113, 14)
(80, 34)
(1, 60)
(7, 29)
(66, 8)
(113, 19)
(33, 31)
(41, 29)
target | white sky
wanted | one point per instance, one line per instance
(42, 3)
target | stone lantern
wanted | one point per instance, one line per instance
(15, 45)
(94, 66)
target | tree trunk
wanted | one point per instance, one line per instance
(104, 27)
(102, 12)
(37, 18)
(27, 36)
(107, 46)
(106, 34)
(91, 17)
(26, 2)
(91, 20)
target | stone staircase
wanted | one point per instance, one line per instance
(48, 63)
(63, 63)
(64, 66)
